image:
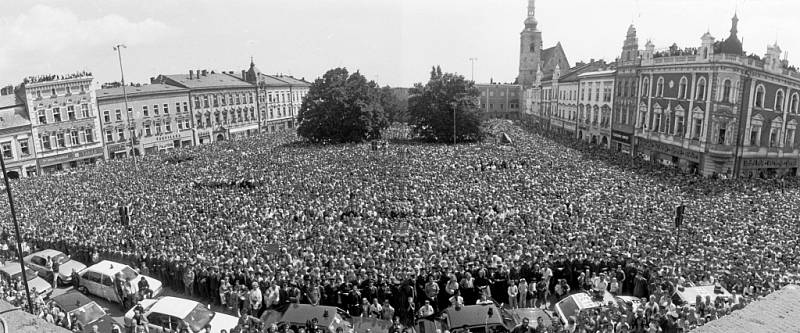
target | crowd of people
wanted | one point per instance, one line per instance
(392, 234)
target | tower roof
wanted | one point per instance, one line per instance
(531, 22)
(732, 45)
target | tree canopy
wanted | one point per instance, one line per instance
(446, 98)
(342, 107)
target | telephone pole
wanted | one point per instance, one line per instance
(18, 236)
(128, 111)
(472, 61)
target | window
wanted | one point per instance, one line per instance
(177, 107)
(698, 128)
(121, 134)
(42, 117)
(682, 88)
(8, 153)
(180, 125)
(155, 109)
(721, 136)
(89, 136)
(773, 136)
(759, 102)
(205, 101)
(158, 128)
(701, 89)
(793, 104)
(61, 141)
(678, 130)
(238, 99)
(75, 138)
(597, 93)
(147, 131)
(23, 147)
(168, 127)
(166, 108)
(645, 87)
(789, 139)
(589, 94)
(186, 124)
(84, 110)
(196, 102)
(779, 101)
(251, 98)
(660, 87)
(185, 107)
(118, 114)
(71, 112)
(145, 111)
(755, 133)
(726, 91)
(56, 114)
(69, 90)
(46, 142)
(215, 100)
(109, 136)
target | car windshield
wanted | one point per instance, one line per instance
(199, 317)
(89, 313)
(29, 273)
(568, 307)
(60, 258)
(128, 273)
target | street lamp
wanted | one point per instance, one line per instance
(128, 111)
(472, 61)
(16, 230)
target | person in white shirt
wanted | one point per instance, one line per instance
(426, 310)
(522, 288)
(512, 294)
(456, 300)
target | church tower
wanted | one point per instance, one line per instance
(530, 54)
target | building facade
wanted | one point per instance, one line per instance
(65, 127)
(715, 110)
(280, 98)
(223, 106)
(16, 144)
(625, 95)
(158, 118)
(595, 102)
(500, 100)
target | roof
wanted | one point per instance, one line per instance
(71, 300)
(690, 294)
(107, 267)
(7, 101)
(597, 73)
(47, 253)
(146, 89)
(271, 81)
(174, 306)
(14, 116)
(777, 312)
(208, 81)
(293, 82)
(473, 315)
(18, 321)
(11, 267)
(300, 313)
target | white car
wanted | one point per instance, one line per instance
(171, 314)
(12, 270)
(98, 280)
(38, 262)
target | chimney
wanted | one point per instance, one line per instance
(152, 79)
(205, 72)
(191, 74)
(244, 75)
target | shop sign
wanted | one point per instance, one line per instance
(669, 150)
(765, 163)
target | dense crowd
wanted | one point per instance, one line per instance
(408, 231)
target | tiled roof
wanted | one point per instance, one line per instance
(272, 81)
(292, 81)
(778, 312)
(9, 101)
(146, 89)
(209, 81)
(12, 112)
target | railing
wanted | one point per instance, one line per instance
(720, 148)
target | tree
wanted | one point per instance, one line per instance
(445, 98)
(342, 107)
(395, 104)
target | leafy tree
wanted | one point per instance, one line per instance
(342, 107)
(433, 107)
(395, 104)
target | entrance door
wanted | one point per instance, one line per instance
(721, 138)
(220, 137)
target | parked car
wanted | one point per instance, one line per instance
(98, 280)
(171, 314)
(688, 295)
(38, 262)
(573, 305)
(328, 318)
(12, 270)
(484, 318)
(87, 312)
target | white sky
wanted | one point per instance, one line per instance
(392, 41)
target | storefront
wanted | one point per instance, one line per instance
(243, 131)
(117, 150)
(166, 142)
(621, 142)
(673, 156)
(70, 160)
(769, 167)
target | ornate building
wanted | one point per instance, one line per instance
(594, 106)
(15, 138)
(279, 98)
(532, 58)
(158, 115)
(625, 94)
(713, 109)
(499, 100)
(64, 123)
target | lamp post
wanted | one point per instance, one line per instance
(128, 111)
(16, 230)
(472, 61)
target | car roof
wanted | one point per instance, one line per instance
(71, 300)
(47, 253)
(690, 294)
(11, 267)
(473, 315)
(300, 313)
(174, 306)
(107, 267)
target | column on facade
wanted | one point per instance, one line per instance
(748, 122)
(689, 123)
(707, 115)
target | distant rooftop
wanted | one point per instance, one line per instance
(208, 81)
(53, 77)
(138, 90)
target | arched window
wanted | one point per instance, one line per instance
(660, 87)
(625, 89)
(759, 102)
(779, 101)
(701, 89)
(793, 105)
(726, 91)
(645, 87)
(682, 88)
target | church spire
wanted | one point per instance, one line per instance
(734, 25)
(531, 8)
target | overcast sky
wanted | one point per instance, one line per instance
(392, 41)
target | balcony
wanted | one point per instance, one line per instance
(720, 149)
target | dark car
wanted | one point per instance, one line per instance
(89, 314)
